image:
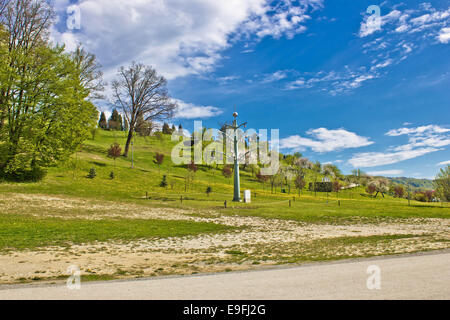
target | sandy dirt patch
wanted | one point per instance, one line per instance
(261, 242)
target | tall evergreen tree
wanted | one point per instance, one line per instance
(102, 123)
(166, 129)
(115, 122)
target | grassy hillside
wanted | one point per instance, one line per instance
(415, 184)
(70, 178)
(113, 230)
(132, 185)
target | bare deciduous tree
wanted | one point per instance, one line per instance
(90, 72)
(3, 6)
(140, 91)
(27, 24)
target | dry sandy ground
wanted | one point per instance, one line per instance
(261, 242)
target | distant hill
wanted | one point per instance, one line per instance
(416, 184)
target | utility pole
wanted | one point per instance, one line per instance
(237, 186)
(409, 194)
(132, 159)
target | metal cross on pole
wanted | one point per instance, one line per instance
(237, 186)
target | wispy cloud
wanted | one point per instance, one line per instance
(337, 82)
(395, 36)
(444, 35)
(276, 76)
(423, 19)
(227, 79)
(388, 173)
(421, 141)
(325, 140)
(372, 23)
(375, 159)
(443, 163)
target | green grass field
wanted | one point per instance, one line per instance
(131, 186)
(28, 232)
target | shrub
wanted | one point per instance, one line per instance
(92, 173)
(399, 191)
(163, 183)
(33, 175)
(430, 195)
(227, 172)
(337, 186)
(159, 159)
(208, 190)
(371, 188)
(419, 196)
(192, 167)
(111, 175)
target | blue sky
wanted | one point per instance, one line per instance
(341, 86)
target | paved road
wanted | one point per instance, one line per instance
(423, 276)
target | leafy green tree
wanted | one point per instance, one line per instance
(45, 113)
(442, 184)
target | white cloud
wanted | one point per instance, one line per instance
(228, 79)
(297, 84)
(402, 31)
(372, 23)
(177, 37)
(422, 130)
(191, 111)
(444, 35)
(387, 173)
(337, 82)
(375, 159)
(443, 163)
(325, 140)
(276, 76)
(421, 140)
(404, 22)
(424, 136)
